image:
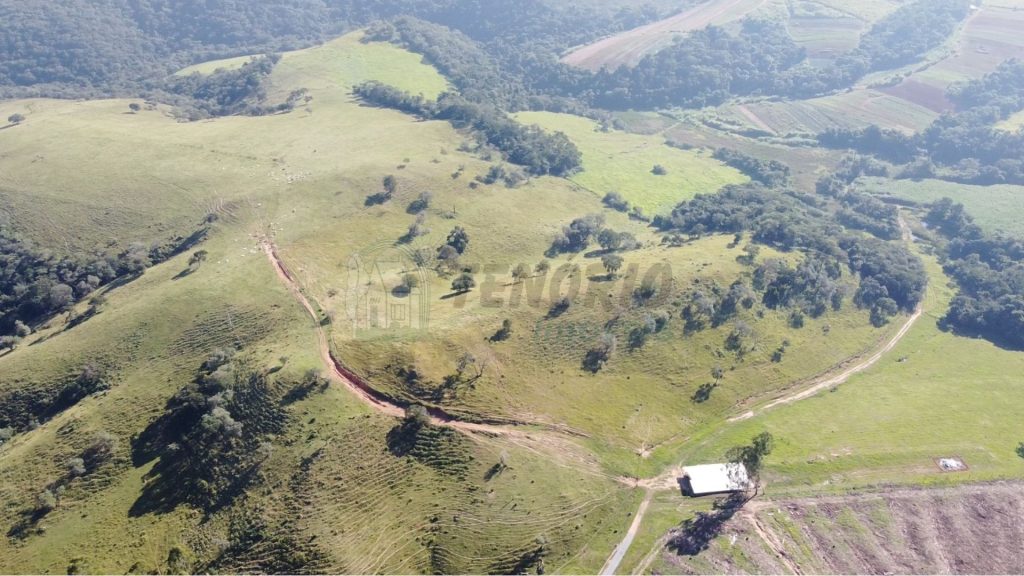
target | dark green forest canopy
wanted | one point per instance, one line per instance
(504, 53)
(99, 47)
(891, 277)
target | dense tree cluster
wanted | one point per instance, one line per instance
(771, 173)
(961, 146)
(241, 91)
(709, 66)
(211, 440)
(529, 146)
(703, 68)
(87, 48)
(35, 284)
(497, 52)
(577, 235)
(469, 67)
(24, 408)
(990, 274)
(888, 271)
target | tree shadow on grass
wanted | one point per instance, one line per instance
(695, 535)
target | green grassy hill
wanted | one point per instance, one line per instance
(336, 490)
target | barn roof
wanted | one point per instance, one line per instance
(716, 478)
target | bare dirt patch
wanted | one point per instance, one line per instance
(974, 529)
(926, 95)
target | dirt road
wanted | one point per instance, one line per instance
(366, 393)
(620, 550)
(832, 378)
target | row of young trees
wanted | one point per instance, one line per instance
(528, 146)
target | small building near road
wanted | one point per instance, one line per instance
(714, 479)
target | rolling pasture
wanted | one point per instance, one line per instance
(151, 334)
(994, 208)
(619, 162)
(85, 176)
(935, 395)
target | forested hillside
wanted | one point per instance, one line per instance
(84, 47)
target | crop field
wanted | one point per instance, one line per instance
(825, 32)
(807, 164)
(866, 10)
(620, 162)
(628, 48)
(994, 208)
(853, 109)
(990, 36)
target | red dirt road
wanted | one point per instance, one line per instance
(371, 397)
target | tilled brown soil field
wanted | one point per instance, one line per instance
(964, 530)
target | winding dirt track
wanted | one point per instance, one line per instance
(366, 393)
(615, 559)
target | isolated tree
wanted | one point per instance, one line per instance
(463, 283)
(45, 501)
(458, 239)
(1020, 449)
(421, 203)
(101, 449)
(542, 267)
(417, 228)
(409, 282)
(752, 455)
(609, 239)
(76, 467)
(417, 416)
(612, 263)
(134, 107)
(561, 306)
(520, 272)
(197, 258)
(717, 373)
(659, 170)
(390, 185)
(16, 118)
(9, 342)
(504, 332)
(600, 354)
(22, 330)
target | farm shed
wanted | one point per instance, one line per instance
(714, 479)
